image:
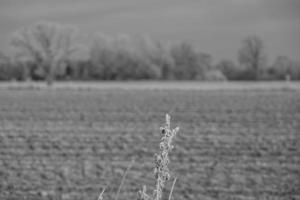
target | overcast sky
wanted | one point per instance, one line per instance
(213, 26)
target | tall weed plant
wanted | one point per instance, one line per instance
(161, 170)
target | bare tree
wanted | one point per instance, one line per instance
(252, 55)
(46, 44)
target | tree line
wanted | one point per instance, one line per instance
(47, 51)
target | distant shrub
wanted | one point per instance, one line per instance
(10, 71)
(214, 75)
(5, 72)
(284, 67)
(229, 69)
(79, 70)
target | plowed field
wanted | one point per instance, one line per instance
(69, 144)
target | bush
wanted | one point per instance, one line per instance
(214, 75)
(229, 69)
(284, 67)
(4, 72)
(9, 71)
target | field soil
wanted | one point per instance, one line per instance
(69, 144)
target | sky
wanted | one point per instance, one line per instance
(216, 27)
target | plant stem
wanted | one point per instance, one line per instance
(170, 195)
(123, 179)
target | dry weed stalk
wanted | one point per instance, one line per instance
(101, 194)
(123, 179)
(161, 170)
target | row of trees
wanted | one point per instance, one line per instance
(253, 64)
(47, 51)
